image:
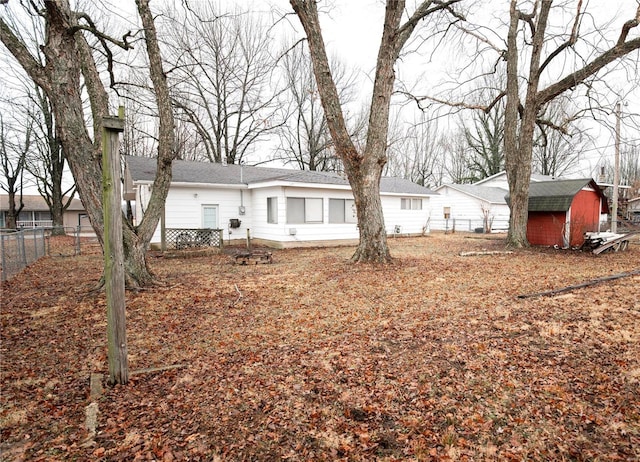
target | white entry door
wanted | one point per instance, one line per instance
(210, 216)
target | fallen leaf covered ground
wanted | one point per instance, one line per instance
(433, 357)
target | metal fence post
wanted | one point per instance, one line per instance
(43, 242)
(78, 240)
(35, 243)
(4, 259)
(22, 247)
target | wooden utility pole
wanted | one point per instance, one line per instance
(616, 174)
(113, 250)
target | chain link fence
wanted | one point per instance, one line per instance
(20, 248)
(468, 225)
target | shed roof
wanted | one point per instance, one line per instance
(144, 168)
(557, 195)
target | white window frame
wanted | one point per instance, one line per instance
(348, 209)
(410, 203)
(272, 210)
(312, 210)
(217, 209)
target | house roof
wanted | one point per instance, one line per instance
(144, 168)
(36, 203)
(535, 177)
(490, 194)
(557, 195)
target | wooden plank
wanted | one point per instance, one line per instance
(613, 242)
(486, 252)
(582, 284)
(114, 252)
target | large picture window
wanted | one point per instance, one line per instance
(342, 211)
(410, 204)
(304, 210)
(272, 210)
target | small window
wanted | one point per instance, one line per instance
(313, 211)
(210, 216)
(272, 210)
(410, 204)
(342, 211)
(42, 216)
(304, 210)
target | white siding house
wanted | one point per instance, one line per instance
(279, 207)
(474, 207)
(471, 207)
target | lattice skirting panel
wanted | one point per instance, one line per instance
(184, 238)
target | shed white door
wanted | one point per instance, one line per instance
(210, 216)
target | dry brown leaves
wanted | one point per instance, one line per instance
(431, 358)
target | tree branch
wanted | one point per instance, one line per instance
(628, 26)
(124, 44)
(31, 65)
(577, 77)
(425, 9)
(573, 38)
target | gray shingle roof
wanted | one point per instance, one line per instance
(36, 203)
(556, 196)
(401, 186)
(487, 193)
(144, 168)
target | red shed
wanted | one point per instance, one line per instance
(561, 211)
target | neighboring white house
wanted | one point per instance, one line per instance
(633, 210)
(467, 207)
(479, 206)
(279, 207)
(499, 180)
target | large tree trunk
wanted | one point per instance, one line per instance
(137, 272)
(67, 58)
(13, 211)
(364, 177)
(518, 193)
(372, 246)
(520, 119)
(519, 143)
(57, 209)
(61, 82)
(166, 152)
(364, 169)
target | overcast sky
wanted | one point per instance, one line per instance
(352, 30)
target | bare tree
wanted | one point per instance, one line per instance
(69, 63)
(364, 168)
(221, 74)
(556, 151)
(14, 147)
(629, 166)
(556, 58)
(417, 153)
(457, 158)
(47, 162)
(485, 140)
(304, 140)
(521, 116)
